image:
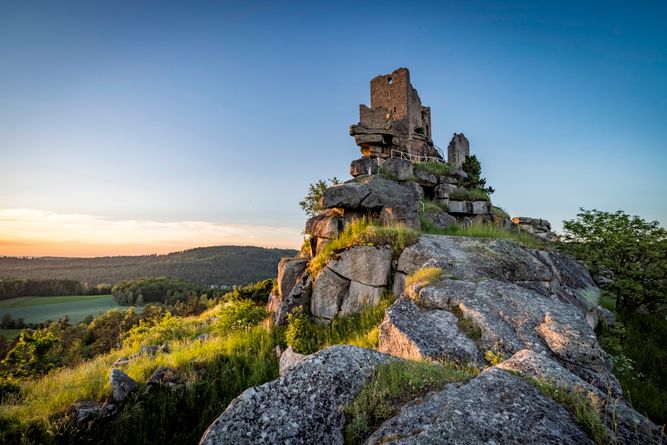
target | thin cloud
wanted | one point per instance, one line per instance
(38, 232)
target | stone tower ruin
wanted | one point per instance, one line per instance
(396, 120)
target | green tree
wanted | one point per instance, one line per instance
(34, 353)
(473, 169)
(627, 249)
(311, 203)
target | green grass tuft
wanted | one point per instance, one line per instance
(365, 232)
(434, 168)
(424, 276)
(469, 195)
(498, 211)
(487, 230)
(581, 408)
(391, 385)
(307, 335)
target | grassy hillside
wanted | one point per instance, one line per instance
(204, 266)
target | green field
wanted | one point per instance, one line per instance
(39, 309)
(9, 334)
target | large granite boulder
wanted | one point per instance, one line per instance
(551, 274)
(289, 271)
(324, 226)
(328, 293)
(416, 334)
(365, 264)
(301, 407)
(495, 407)
(399, 202)
(624, 424)
(360, 296)
(294, 289)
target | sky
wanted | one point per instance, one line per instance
(130, 127)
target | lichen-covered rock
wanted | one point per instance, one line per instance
(624, 424)
(511, 318)
(367, 265)
(551, 274)
(289, 270)
(375, 193)
(416, 334)
(328, 293)
(121, 385)
(360, 296)
(495, 407)
(400, 169)
(303, 406)
(90, 410)
(440, 220)
(299, 296)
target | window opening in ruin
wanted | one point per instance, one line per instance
(390, 80)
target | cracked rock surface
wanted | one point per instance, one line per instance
(303, 406)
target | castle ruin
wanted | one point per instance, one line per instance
(396, 120)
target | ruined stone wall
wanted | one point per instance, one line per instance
(391, 92)
(458, 149)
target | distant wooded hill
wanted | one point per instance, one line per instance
(217, 265)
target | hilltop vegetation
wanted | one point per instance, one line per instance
(204, 266)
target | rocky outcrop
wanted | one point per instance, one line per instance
(357, 278)
(417, 334)
(539, 227)
(511, 297)
(495, 407)
(375, 194)
(121, 385)
(328, 293)
(624, 424)
(367, 265)
(301, 407)
(548, 273)
(294, 289)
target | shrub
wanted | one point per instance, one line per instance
(474, 181)
(495, 358)
(365, 232)
(434, 168)
(257, 292)
(311, 202)
(238, 315)
(469, 195)
(302, 333)
(306, 335)
(391, 385)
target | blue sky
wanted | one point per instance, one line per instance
(155, 126)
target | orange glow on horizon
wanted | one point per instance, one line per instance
(27, 232)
